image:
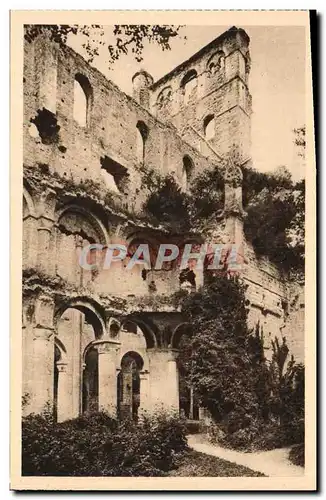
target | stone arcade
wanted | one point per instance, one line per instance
(108, 339)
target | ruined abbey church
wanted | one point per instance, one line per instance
(108, 339)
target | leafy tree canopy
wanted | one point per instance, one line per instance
(128, 38)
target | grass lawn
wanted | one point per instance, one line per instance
(194, 463)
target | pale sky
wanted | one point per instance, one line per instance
(277, 82)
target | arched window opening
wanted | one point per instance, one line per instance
(164, 97)
(128, 385)
(216, 63)
(142, 135)
(82, 99)
(189, 85)
(187, 169)
(209, 127)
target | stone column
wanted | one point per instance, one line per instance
(234, 215)
(107, 376)
(173, 382)
(46, 202)
(63, 396)
(164, 385)
(145, 400)
(45, 247)
(42, 355)
(43, 369)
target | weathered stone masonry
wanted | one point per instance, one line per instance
(108, 339)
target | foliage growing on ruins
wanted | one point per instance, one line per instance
(168, 204)
(207, 194)
(224, 362)
(96, 445)
(275, 217)
(128, 38)
(36, 282)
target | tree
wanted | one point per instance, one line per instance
(275, 216)
(129, 38)
(220, 364)
(287, 391)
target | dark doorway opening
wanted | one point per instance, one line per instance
(129, 386)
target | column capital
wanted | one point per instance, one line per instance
(42, 333)
(45, 224)
(62, 366)
(106, 345)
(143, 375)
(44, 312)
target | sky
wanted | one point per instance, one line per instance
(277, 82)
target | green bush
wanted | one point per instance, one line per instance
(96, 445)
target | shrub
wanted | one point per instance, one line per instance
(296, 455)
(96, 445)
(168, 204)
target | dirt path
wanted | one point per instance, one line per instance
(272, 463)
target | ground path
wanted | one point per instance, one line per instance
(273, 463)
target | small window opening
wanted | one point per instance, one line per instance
(142, 135)
(82, 98)
(115, 175)
(209, 127)
(189, 85)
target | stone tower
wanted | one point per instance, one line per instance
(207, 97)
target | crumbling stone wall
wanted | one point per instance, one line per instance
(58, 221)
(111, 131)
(222, 70)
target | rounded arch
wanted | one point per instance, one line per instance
(142, 136)
(85, 84)
(83, 96)
(92, 310)
(62, 349)
(189, 85)
(164, 96)
(190, 75)
(90, 346)
(75, 219)
(209, 126)
(28, 202)
(178, 332)
(132, 356)
(187, 169)
(147, 330)
(143, 129)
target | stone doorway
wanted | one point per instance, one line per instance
(128, 381)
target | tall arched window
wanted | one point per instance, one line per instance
(189, 84)
(209, 127)
(142, 135)
(187, 168)
(82, 99)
